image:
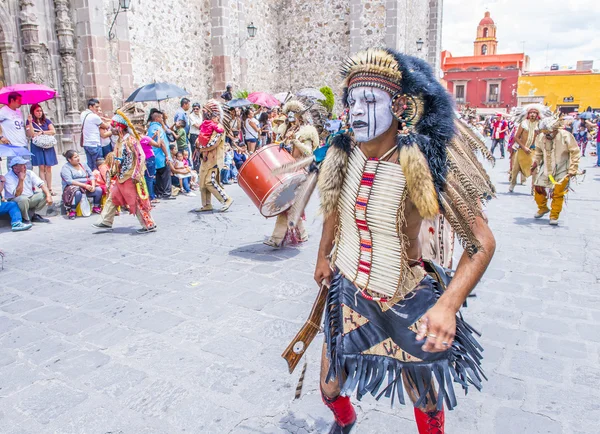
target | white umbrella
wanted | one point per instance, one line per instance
(281, 96)
(311, 93)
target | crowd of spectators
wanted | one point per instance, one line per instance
(173, 154)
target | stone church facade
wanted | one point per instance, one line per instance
(200, 45)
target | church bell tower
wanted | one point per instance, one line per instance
(486, 43)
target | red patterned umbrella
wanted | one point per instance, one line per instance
(263, 99)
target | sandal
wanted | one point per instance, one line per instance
(272, 243)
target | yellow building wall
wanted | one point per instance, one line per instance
(585, 89)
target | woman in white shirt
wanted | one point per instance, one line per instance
(251, 129)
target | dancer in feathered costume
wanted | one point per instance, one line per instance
(127, 170)
(211, 145)
(557, 157)
(388, 323)
(299, 135)
(526, 122)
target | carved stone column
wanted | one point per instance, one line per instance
(68, 63)
(34, 63)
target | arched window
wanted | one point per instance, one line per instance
(483, 49)
(485, 32)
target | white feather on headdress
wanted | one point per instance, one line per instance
(520, 113)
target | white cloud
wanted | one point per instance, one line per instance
(552, 31)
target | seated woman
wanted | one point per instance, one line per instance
(77, 178)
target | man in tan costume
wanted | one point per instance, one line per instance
(557, 156)
(213, 156)
(524, 140)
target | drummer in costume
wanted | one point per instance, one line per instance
(526, 122)
(300, 138)
(127, 171)
(213, 157)
(388, 324)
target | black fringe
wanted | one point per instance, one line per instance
(367, 373)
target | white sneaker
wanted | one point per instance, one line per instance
(540, 214)
(553, 222)
(190, 194)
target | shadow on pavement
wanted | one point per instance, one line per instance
(264, 253)
(528, 221)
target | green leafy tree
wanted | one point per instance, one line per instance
(329, 100)
(240, 94)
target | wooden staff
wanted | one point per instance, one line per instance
(298, 346)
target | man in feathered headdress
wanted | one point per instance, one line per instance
(211, 145)
(388, 324)
(557, 156)
(127, 170)
(527, 122)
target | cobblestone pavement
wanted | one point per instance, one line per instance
(182, 330)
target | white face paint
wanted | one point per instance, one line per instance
(370, 114)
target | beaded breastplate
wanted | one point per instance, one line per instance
(370, 249)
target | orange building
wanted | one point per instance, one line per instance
(487, 80)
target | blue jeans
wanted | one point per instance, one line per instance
(150, 176)
(92, 153)
(183, 183)
(12, 209)
(96, 195)
(107, 149)
(239, 159)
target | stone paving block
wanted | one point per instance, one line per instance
(252, 300)
(505, 335)
(504, 387)
(46, 402)
(160, 321)
(571, 405)
(8, 297)
(42, 351)
(21, 337)
(562, 347)
(17, 376)
(234, 347)
(7, 324)
(114, 379)
(510, 420)
(548, 325)
(156, 399)
(106, 335)
(5, 358)
(75, 324)
(588, 331)
(538, 367)
(75, 364)
(47, 314)
(586, 375)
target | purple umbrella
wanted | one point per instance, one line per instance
(31, 93)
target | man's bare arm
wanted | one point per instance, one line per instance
(438, 325)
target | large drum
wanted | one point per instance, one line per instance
(272, 194)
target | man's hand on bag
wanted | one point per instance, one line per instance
(438, 326)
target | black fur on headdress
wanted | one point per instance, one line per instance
(435, 129)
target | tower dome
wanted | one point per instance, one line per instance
(486, 20)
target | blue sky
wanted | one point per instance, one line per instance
(552, 31)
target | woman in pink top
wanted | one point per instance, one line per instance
(150, 175)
